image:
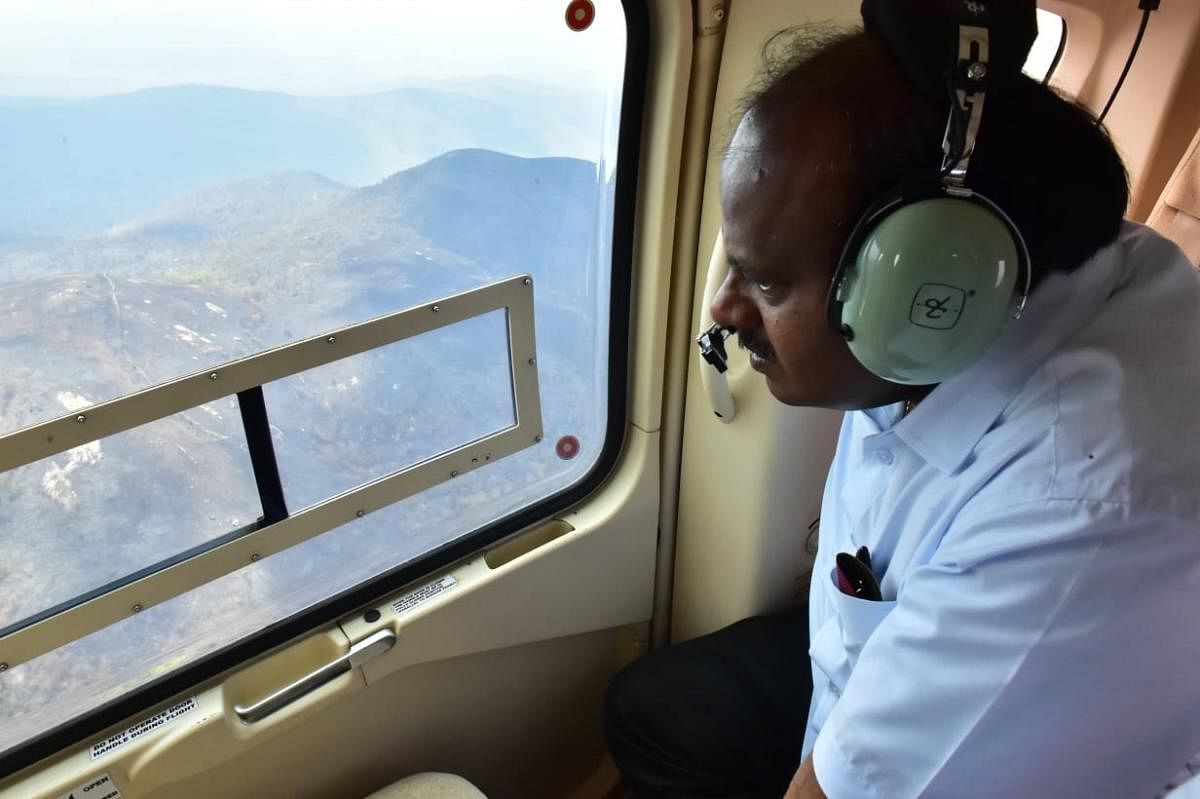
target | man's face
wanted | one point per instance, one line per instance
(784, 212)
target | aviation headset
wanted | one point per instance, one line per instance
(933, 271)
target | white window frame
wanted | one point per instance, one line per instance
(76, 618)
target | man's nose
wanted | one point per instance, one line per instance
(731, 307)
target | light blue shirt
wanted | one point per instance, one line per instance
(1036, 525)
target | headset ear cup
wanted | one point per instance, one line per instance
(930, 284)
(847, 274)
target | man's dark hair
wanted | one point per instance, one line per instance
(1040, 157)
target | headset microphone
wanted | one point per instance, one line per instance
(716, 382)
(712, 346)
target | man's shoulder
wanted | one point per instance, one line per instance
(1141, 240)
(1116, 402)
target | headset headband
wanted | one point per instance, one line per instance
(924, 33)
(933, 271)
(968, 88)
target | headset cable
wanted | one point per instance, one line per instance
(1146, 7)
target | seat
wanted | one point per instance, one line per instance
(1177, 213)
(429, 786)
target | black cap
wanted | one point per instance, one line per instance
(924, 35)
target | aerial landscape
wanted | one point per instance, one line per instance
(148, 235)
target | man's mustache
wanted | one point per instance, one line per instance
(759, 346)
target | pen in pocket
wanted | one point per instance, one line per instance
(855, 577)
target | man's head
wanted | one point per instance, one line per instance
(836, 126)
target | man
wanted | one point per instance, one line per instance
(1034, 520)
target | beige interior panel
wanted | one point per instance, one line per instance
(1180, 123)
(1156, 113)
(750, 488)
(658, 192)
(1177, 213)
(705, 68)
(497, 718)
(597, 576)
(1084, 32)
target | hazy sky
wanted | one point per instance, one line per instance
(310, 47)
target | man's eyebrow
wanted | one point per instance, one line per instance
(741, 267)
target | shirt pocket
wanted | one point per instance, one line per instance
(828, 661)
(857, 620)
(835, 646)
(828, 654)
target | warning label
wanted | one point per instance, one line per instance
(426, 592)
(101, 787)
(143, 727)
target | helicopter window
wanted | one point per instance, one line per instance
(1047, 47)
(192, 183)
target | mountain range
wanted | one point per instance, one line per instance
(80, 166)
(229, 268)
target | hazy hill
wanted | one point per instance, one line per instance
(339, 255)
(408, 126)
(235, 269)
(83, 165)
(502, 214)
(235, 209)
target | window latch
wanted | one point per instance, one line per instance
(375, 644)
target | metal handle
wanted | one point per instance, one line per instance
(375, 644)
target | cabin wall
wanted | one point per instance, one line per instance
(1157, 113)
(748, 489)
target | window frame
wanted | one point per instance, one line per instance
(338, 605)
(276, 530)
(1058, 54)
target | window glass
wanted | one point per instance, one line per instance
(1046, 47)
(341, 425)
(91, 515)
(189, 182)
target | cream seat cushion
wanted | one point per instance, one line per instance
(1177, 214)
(429, 786)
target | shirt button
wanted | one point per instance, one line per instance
(885, 457)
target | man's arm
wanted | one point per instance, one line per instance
(1026, 659)
(804, 784)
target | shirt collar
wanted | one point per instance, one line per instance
(946, 426)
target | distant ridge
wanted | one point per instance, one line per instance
(244, 207)
(80, 166)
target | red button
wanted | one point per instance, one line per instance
(580, 14)
(567, 447)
